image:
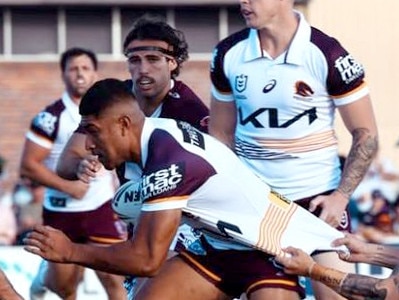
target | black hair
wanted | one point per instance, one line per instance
(73, 52)
(103, 94)
(154, 28)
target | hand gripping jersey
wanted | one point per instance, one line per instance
(286, 106)
(184, 168)
(51, 129)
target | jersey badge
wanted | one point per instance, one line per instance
(302, 89)
(241, 83)
(46, 122)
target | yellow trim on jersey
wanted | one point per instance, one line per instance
(273, 225)
(304, 144)
(167, 199)
(271, 281)
(103, 240)
(201, 267)
(362, 86)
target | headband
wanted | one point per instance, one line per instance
(129, 51)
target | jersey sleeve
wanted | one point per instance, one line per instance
(345, 78)
(44, 126)
(172, 173)
(220, 84)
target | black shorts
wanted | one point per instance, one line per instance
(235, 271)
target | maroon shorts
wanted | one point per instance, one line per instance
(100, 226)
(235, 272)
(345, 224)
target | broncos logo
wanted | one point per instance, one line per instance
(303, 89)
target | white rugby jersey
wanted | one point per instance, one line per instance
(286, 106)
(184, 168)
(51, 129)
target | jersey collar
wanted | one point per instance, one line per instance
(71, 107)
(294, 53)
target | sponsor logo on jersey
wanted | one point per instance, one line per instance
(349, 68)
(191, 135)
(46, 122)
(162, 180)
(241, 83)
(256, 118)
(269, 86)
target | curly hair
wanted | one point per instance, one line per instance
(154, 28)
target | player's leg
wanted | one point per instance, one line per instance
(103, 228)
(322, 291)
(113, 285)
(178, 281)
(63, 279)
(329, 259)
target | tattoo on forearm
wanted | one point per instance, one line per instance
(366, 287)
(363, 150)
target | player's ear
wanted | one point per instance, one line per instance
(124, 124)
(172, 64)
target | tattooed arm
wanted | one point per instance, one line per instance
(351, 286)
(359, 120)
(360, 251)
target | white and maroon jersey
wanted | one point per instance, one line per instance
(180, 103)
(189, 170)
(286, 106)
(51, 129)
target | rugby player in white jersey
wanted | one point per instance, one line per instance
(276, 88)
(189, 177)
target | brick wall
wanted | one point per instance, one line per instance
(26, 87)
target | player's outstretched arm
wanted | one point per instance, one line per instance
(143, 255)
(360, 251)
(351, 286)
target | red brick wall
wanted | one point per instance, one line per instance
(25, 88)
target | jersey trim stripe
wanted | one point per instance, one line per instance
(271, 281)
(200, 267)
(309, 143)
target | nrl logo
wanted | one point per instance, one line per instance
(241, 83)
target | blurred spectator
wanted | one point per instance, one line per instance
(28, 203)
(383, 176)
(377, 219)
(8, 224)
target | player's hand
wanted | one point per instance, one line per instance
(358, 250)
(332, 207)
(296, 262)
(49, 243)
(88, 168)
